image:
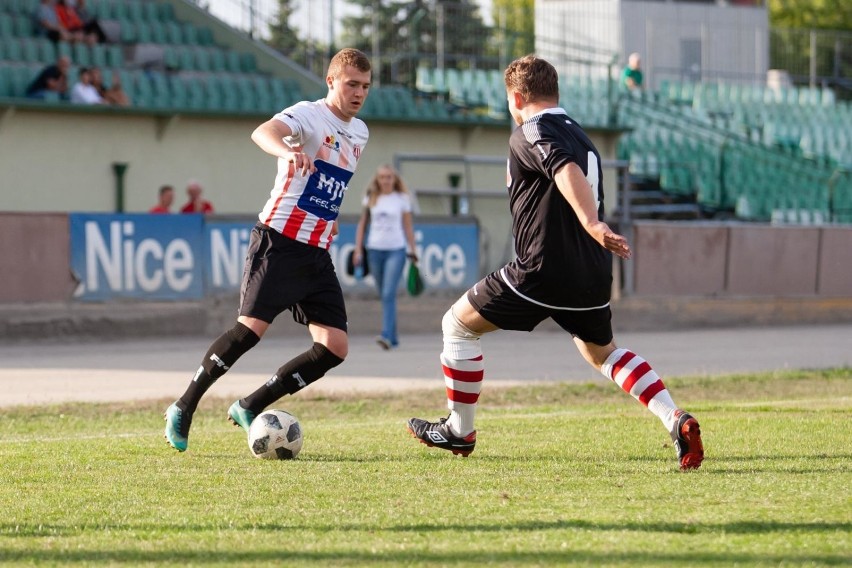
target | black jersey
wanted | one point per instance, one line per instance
(558, 263)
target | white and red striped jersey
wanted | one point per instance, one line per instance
(304, 208)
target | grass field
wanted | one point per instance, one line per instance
(563, 474)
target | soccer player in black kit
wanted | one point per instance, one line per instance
(563, 270)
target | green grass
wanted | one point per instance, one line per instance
(563, 474)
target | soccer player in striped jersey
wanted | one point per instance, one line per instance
(288, 267)
(563, 270)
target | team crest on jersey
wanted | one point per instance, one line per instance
(331, 142)
(357, 152)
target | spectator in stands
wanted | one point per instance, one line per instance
(84, 92)
(164, 201)
(90, 30)
(52, 79)
(50, 26)
(387, 209)
(196, 203)
(631, 77)
(112, 95)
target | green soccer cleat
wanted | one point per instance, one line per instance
(177, 427)
(240, 416)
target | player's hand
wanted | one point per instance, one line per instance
(356, 257)
(613, 242)
(301, 161)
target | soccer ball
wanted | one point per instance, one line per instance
(275, 435)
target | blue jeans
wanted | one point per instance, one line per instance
(386, 267)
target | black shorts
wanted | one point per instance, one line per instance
(499, 304)
(283, 274)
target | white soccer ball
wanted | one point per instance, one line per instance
(275, 435)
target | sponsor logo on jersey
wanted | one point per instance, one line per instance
(331, 142)
(324, 191)
(357, 152)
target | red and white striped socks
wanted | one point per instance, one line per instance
(636, 377)
(463, 378)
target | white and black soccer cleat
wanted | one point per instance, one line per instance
(438, 435)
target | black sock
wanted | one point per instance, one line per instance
(223, 353)
(293, 376)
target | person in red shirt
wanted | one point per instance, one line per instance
(164, 203)
(89, 31)
(196, 203)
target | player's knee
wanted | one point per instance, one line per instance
(452, 327)
(322, 359)
(459, 341)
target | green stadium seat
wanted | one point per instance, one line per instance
(119, 11)
(217, 60)
(134, 12)
(158, 32)
(179, 94)
(63, 49)
(5, 82)
(166, 11)
(151, 12)
(81, 55)
(174, 32)
(46, 51)
(190, 34)
(170, 58)
(99, 55)
(202, 59)
(205, 36)
(22, 76)
(232, 62)
(196, 97)
(29, 51)
(7, 26)
(127, 32)
(115, 56)
(143, 32)
(23, 25)
(13, 51)
(248, 63)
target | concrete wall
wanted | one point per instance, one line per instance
(671, 260)
(702, 259)
(61, 160)
(34, 258)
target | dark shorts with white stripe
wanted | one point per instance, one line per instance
(503, 307)
(282, 274)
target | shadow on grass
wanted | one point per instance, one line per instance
(411, 556)
(14, 530)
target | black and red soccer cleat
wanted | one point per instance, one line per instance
(438, 435)
(687, 441)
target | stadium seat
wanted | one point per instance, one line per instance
(7, 26)
(5, 82)
(174, 33)
(23, 25)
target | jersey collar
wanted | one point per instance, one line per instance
(551, 110)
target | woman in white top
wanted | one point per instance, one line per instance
(387, 210)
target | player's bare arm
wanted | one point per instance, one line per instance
(575, 188)
(269, 137)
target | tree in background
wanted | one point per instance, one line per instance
(810, 39)
(811, 14)
(286, 40)
(517, 18)
(408, 34)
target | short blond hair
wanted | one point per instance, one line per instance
(348, 56)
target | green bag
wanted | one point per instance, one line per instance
(415, 282)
